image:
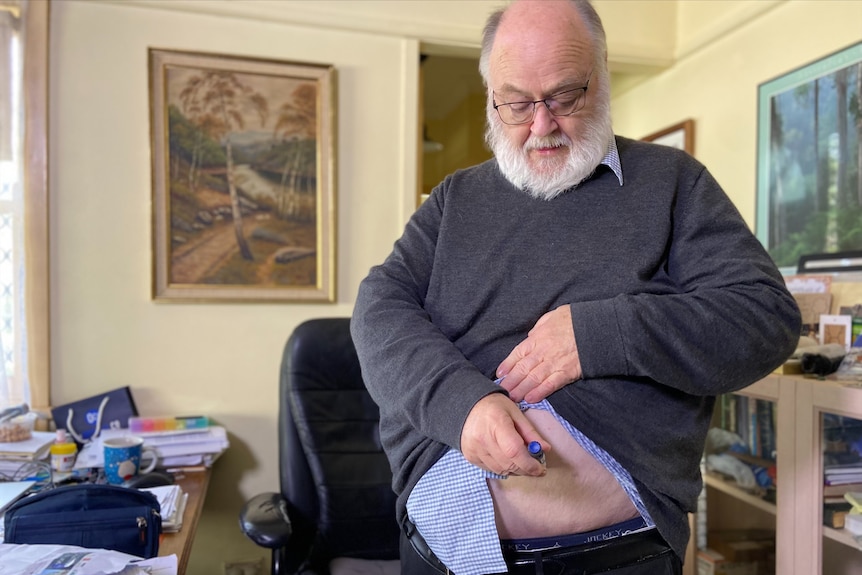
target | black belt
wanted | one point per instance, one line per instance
(594, 557)
(422, 549)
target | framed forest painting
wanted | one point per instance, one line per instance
(809, 159)
(243, 154)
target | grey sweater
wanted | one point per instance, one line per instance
(673, 301)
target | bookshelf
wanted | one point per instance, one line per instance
(814, 400)
(729, 507)
(803, 545)
(728, 487)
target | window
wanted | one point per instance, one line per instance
(23, 204)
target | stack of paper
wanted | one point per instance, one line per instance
(11, 491)
(174, 448)
(191, 447)
(15, 456)
(172, 500)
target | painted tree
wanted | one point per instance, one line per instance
(858, 117)
(776, 143)
(841, 81)
(297, 121)
(193, 111)
(220, 100)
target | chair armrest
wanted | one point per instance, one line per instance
(264, 520)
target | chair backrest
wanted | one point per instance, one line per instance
(334, 473)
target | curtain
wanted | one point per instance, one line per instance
(24, 325)
(14, 387)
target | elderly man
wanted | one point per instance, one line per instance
(581, 294)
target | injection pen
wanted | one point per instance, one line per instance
(536, 451)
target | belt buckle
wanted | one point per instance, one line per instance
(541, 564)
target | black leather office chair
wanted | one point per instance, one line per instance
(336, 499)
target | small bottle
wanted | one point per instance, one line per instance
(63, 453)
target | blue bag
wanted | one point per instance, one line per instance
(85, 418)
(88, 515)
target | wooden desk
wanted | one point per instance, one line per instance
(195, 483)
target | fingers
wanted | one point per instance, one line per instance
(536, 385)
(521, 353)
(495, 437)
(545, 361)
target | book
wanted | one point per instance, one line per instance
(854, 498)
(753, 428)
(845, 469)
(842, 478)
(841, 489)
(33, 448)
(743, 428)
(853, 523)
(731, 412)
(834, 514)
(789, 367)
(765, 413)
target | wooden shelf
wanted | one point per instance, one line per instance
(767, 389)
(800, 536)
(729, 486)
(841, 536)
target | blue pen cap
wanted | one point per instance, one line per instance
(535, 449)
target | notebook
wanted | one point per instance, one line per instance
(11, 491)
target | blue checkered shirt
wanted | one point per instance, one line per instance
(452, 507)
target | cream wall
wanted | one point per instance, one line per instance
(222, 360)
(716, 85)
(217, 360)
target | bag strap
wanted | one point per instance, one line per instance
(71, 428)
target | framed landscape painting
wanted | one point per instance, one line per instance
(809, 159)
(243, 154)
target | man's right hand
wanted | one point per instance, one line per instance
(495, 437)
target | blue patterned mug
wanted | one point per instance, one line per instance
(123, 458)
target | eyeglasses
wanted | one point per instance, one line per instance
(562, 104)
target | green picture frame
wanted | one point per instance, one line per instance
(809, 159)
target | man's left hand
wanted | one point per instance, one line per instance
(544, 362)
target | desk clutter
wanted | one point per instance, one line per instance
(106, 457)
(65, 559)
(84, 426)
(89, 515)
(172, 501)
(26, 459)
(182, 448)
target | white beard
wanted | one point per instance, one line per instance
(551, 177)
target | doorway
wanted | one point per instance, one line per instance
(451, 118)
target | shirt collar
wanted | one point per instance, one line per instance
(612, 159)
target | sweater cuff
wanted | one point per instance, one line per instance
(449, 408)
(601, 346)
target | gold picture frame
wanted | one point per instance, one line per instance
(680, 136)
(243, 160)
